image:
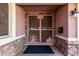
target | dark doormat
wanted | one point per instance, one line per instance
(38, 49)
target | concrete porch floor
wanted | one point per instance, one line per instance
(56, 53)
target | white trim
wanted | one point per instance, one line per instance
(61, 37)
(13, 7)
(9, 39)
(20, 36)
(4, 36)
(4, 41)
(10, 23)
(72, 39)
(65, 38)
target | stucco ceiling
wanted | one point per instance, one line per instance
(41, 7)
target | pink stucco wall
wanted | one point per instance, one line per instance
(65, 19)
(72, 21)
(20, 21)
(62, 20)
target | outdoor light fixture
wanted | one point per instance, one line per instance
(75, 12)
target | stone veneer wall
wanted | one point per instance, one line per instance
(11, 49)
(73, 48)
(62, 45)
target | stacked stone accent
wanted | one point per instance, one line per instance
(73, 48)
(62, 45)
(68, 48)
(12, 48)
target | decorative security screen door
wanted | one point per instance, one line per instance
(39, 31)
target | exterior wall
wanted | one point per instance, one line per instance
(13, 45)
(73, 46)
(20, 21)
(72, 22)
(65, 19)
(69, 22)
(12, 48)
(62, 20)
